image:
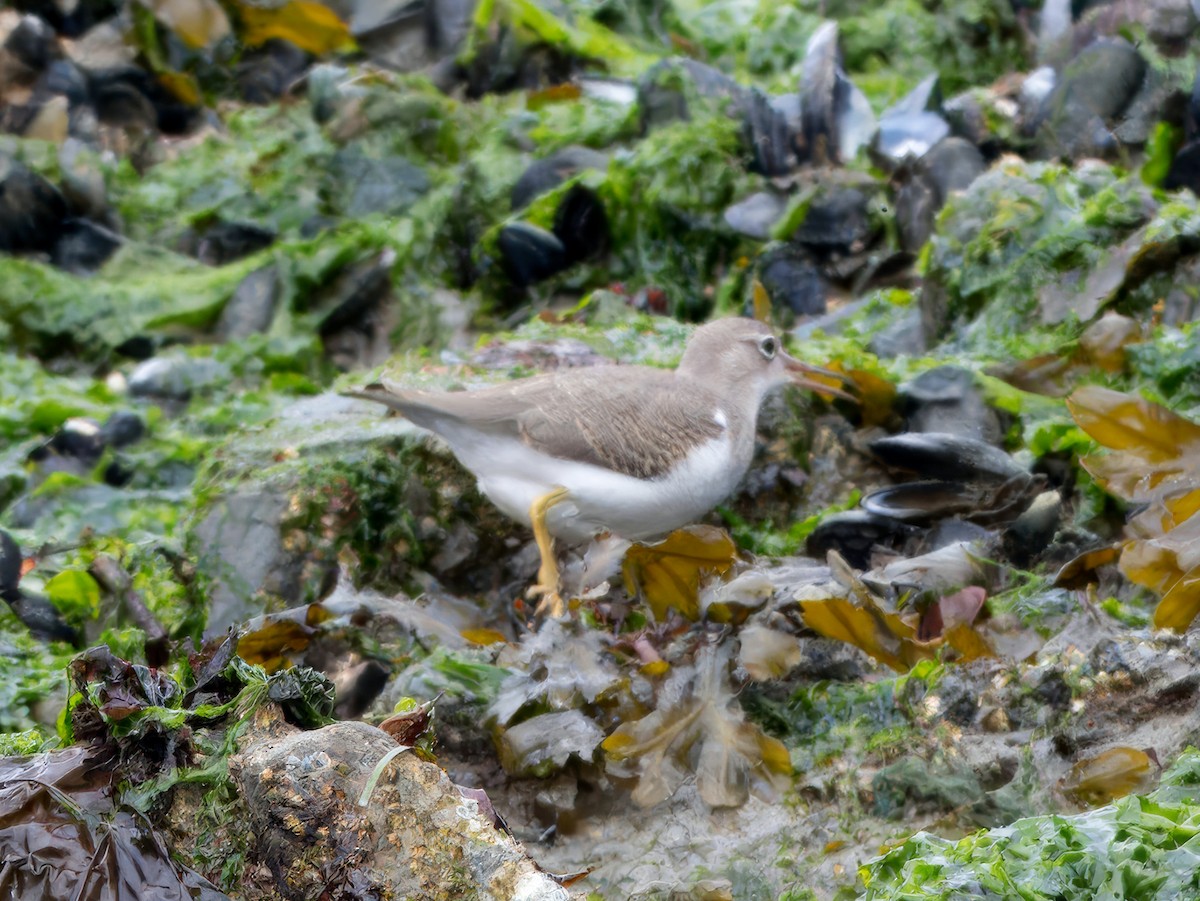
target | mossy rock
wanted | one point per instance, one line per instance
(334, 479)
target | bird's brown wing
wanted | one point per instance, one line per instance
(634, 420)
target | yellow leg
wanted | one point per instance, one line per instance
(547, 583)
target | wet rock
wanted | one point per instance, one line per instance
(663, 89)
(1157, 100)
(415, 835)
(265, 73)
(769, 137)
(33, 45)
(79, 438)
(953, 165)
(855, 534)
(912, 126)
(836, 118)
(252, 307)
(530, 254)
(1170, 23)
(130, 97)
(903, 335)
(947, 400)
(757, 215)
(1036, 90)
(71, 19)
(83, 181)
(32, 210)
(448, 22)
(1093, 92)
(226, 242)
(122, 429)
(825, 658)
(837, 223)
(393, 33)
(958, 698)
(946, 456)
(84, 246)
(35, 612)
(272, 526)
(923, 502)
(581, 225)
(364, 184)
(551, 171)
(1032, 532)
(1054, 22)
(358, 314)
(925, 186)
(239, 548)
(175, 376)
(793, 283)
(1185, 169)
(103, 46)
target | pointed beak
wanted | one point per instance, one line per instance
(799, 369)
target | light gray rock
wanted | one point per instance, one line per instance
(413, 835)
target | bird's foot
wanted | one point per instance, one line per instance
(551, 603)
(547, 583)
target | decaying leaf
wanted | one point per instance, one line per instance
(483, 636)
(700, 721)
(1155, 463)
(767, 653)
(761, 301)
(558, 93)
(1111, 774)
(956, 609)
(268, 641)
(883, 635)
(309, 25)
(668, 573)
(1127, 422)
(1180, 604)
(894, 639)
(876, 396)
(559, 668)
(1105, 340)
(1080, 571)
(411, 721)
(735, 600)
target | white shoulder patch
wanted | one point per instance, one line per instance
(719, 419)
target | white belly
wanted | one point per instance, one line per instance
(513, 476)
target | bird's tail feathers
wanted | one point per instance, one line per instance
(377, 392)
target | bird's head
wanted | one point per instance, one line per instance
(744, 355)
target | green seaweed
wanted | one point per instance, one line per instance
(1140, 846)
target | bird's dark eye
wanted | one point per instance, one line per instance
(768, 346)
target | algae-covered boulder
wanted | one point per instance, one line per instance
(333, 479)
(326, 821)
(1032, 252)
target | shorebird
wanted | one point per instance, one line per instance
(630, 450)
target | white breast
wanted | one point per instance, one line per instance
(513, 475)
